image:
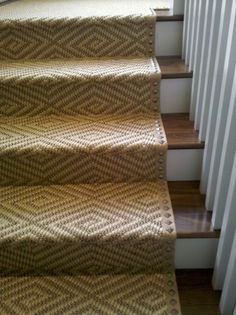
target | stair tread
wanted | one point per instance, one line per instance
(180, 132)
(52, 70)
(173, 67)
(101, 294)
(85, 211)
(168, 15)
(79, 86)
(80, 132)
(61, 149)
(89, 228)
(191, 217)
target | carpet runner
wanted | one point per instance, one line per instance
(86, 223)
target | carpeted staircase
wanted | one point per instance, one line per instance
(86, 224)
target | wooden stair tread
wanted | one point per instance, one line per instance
(168, 15)
(191, 217)
(173, 67)
(180, 132)
(196, 293)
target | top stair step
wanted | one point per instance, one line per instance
(75, 29)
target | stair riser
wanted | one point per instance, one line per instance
(195, 253)
(76, 38)
(74, 167)
(168, 40)
(91, 257)
(184, 165)
(66, 97)
(189, 254)
(175, 95)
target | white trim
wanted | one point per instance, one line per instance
(227, 234)
(189, 31)
(178, 6)
(223, 107)
(185, 28)
(215, 93)
(197, 58)
(228, 298)
(226, 162)
(213, 42)
(203, 64)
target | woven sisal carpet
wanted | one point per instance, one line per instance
(86, 224)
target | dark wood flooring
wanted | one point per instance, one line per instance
(196, 294)
(166, 15)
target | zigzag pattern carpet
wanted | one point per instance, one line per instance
(86, 223)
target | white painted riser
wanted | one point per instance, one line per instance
(195, 253)
(184, 165)
(168, 40)
(175, 95)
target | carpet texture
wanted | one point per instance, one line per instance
(81, 149)
(86, 223)
(91, 229)
(118, 294)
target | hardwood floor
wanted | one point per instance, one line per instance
(196, 294)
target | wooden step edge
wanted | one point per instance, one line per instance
(167, 15)
(191, 217)
(197, 235)
(173, 67)
(180, 132)
(186, 146)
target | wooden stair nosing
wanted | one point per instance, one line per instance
(168, 15)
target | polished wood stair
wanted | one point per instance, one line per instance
(180, 132)
(191, 217)
(173, 68)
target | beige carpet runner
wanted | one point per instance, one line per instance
(86, 224)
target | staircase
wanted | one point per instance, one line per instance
(96, 172)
